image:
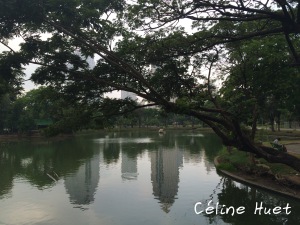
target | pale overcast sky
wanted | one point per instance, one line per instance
(29, 85)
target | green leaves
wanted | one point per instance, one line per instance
(260, 78)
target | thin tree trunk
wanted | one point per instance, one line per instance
(272, 124)
(254, 122)
(278, 121)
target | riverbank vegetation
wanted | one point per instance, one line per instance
(243, 165)
(47, 112)
(231, 65)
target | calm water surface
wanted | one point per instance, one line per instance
(129, 178)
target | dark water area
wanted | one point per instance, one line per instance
(129, 178)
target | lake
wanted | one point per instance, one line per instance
(134, 178)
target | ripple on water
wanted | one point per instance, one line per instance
(123, 140)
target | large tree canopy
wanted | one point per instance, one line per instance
(129, 38)
(260, 81)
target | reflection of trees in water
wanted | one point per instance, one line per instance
(76, 160)
(192, 141)
(195, 143)
(197, 147)
(133, 151)
(236, 195)
(212, 145)
(111, 153)
(6, 180)
(128, 142)
(112, 144)
(34, 161)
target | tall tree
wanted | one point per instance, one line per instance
(260, 80)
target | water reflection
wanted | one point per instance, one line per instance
(35, 162)
(129, 167)
(235, 194)
(159, 177)
(111, 152)
(77, 162)
(165, 164)
(7, 175)
(82, 184)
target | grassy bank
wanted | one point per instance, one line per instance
(287, 135)
(237, 160)
(241, 163)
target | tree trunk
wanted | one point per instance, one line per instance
(268, 153)
(278, 121)
(254, 122)
(243, 143)
(272, 120)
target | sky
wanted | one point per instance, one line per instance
(29, 85)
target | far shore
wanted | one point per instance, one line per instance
(290, 137)
(38, 136)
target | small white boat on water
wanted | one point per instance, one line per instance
(161, 131)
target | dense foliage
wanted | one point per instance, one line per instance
(141, 48)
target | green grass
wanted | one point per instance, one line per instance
(235, 158)
(227, 166)
(286, 136)
(239, 160)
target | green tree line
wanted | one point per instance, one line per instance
(25, 113)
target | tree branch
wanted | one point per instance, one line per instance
(111, 58)
(7, 46)
(125, 112)
(292, 48)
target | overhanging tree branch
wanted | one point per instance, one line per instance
(110, 57)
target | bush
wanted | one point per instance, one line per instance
(226, 166)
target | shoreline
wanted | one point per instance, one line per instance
(36, 136)
(260, 182)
